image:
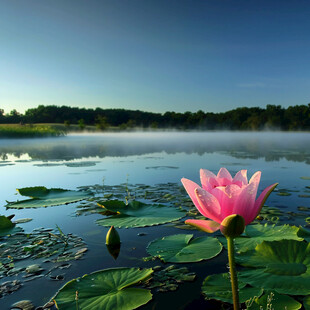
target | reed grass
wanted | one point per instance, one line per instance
(28, 131)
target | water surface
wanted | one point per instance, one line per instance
(142, 158)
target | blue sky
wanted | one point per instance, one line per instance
(154, 55)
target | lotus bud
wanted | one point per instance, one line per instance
(232, 226)
(112, 237)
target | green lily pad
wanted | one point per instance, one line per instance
(48, 165)
(305, 178)
(43, 197)
(304, 233)
(162, 167)
(168, 279)
(283, 194)
(303, 208)
(138, 214)
(105, 289)
(40, 243)
(304, 196)
(21, 221)
(183, 248)
(275, 301)
(270, 214)
(281, 266)
(256, 234)
(81, 164)
(218, 287)
(7, 227)
(306, 302)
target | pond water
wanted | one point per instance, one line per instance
(82, 160)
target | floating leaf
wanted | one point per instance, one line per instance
(162, 167)
(21, 221)
(256, 234)
(306, 302)
(281, 266)
(138, 214)
(283, 194)
(168, 279)
(48, 165)
(40, 243)
(81, 164)
(304, 233)
(303, 208)
(218, 287)
(9, 287)
(275, 301)
(7, 227)
(183, 248)
(105, 289)
(304, 196)
(43, 197)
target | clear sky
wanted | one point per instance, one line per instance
(159, 55)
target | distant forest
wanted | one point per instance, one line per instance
(272, 117)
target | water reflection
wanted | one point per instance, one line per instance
(271, 146)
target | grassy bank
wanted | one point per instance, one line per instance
(29, 131)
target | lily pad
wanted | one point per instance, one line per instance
(105, 289)
(7, 227)
(275, 301)
(168, 279)
(304, 233)
(306, 303)
(281, 266)
(81, 164)
(256, 234)
(218, 287)
(183, 248)
(303, 208)
(138, 214)
(48, 165)
(9, 287)
(162, 167)
(40, 243)
(283, 194)
(270, 214)
(43, 197)
(304, 196)
(21, 221)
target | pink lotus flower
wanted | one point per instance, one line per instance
(221, 196)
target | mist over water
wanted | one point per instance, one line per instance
(141, 158)
(268, 145)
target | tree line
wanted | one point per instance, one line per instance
(243, 118)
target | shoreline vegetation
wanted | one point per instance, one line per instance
(29, 131)
(53, 121)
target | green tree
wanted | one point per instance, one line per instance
(81, 124)
(101, 122)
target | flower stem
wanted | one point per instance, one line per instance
(233, 272)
